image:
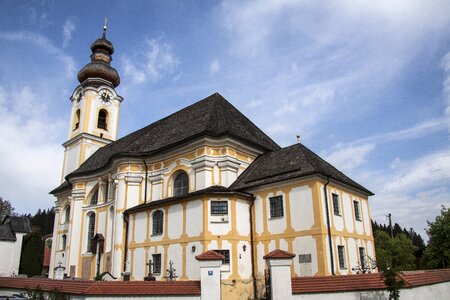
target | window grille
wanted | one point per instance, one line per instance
(94, 198)
(158, 222)
(156, 263)
(276, 207)
(341, 253)
(357, 211)
(181, 185)
(362, 258)
(219, 208)
(226, 254)
(91, 230)
(102, 117)
(336, 204)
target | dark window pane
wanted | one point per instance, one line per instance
(91, 231)
(226, 254)
(156, 263)
(94, 199)
(276, 207)
(341, 253)
(102, 117)
(336, 205)
(357, 212)
(158, 222)
(181, 184)
(219, 208)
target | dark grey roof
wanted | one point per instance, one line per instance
(212, 190)
(213, 116)
(12, 225)
(62, 187)
(288, 163)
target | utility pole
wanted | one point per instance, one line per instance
(390, 225)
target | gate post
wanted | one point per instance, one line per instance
(210, 263)
(279, 263)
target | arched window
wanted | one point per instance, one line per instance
(94, 198)
(63, 242)
(91, 233)
(181, 184)
(102, 119)
(67, 215)
(77, 120)
(158, 222)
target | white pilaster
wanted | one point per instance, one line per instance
(203, 167)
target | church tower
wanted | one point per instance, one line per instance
(95, 107)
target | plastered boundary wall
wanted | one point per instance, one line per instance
(436, 291)
(10, 292)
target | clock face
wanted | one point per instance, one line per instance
(105, 97)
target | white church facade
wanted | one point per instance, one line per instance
(203, 178)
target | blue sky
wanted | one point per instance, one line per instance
(365, 83)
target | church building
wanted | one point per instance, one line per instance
(203, 178)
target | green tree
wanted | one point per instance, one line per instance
(32, 253)
(6, 209)
(396, 253)
(437, 252)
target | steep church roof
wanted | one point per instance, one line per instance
(213, 116)
(287, 163)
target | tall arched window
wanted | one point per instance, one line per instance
(63, 242)
(102, 119)
(94, 198)
(91, 233)
(158, 222)
(67, 215)
(77, 120)
(181, 184)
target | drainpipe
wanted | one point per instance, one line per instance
(145, 185)
(125, 219)
(330, 243)
(252, 253)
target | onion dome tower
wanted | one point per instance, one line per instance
(95, 106)
(100, 65)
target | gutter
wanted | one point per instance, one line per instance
(330, 243)
(145, 186)
(125, 219)
(252, 249)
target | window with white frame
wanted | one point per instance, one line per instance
(181, 185)
(362, 257)
(341, 254)
(91, 233)
(357, 210)
(219, 208)
(276, 207)
(336, 204)
(156, 263)
(226, 255)
(157, 222)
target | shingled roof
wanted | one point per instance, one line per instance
(213, 116)
(288, 163)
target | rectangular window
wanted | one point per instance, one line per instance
(156, 263)
(219, 208)
(357, 211)
(276, 207)
(362, 258)
(226, 254)
(336, 204)
(341, 253)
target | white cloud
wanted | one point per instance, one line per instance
(413, 191)
(214, 67)
(31, 164)
(68, 28)
(446, 86)
(45, 44)
(350, 157)
(152, 63)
